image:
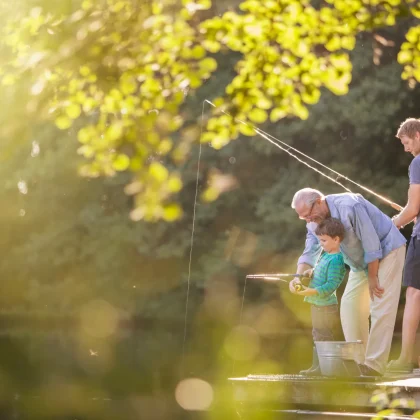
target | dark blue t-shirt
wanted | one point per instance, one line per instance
(414, 177)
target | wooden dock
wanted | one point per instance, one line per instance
(294, 396)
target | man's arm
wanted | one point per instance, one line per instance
(308, 258)
(372, 248)
(366, 232)
(310, 254)
(374, 287)
(412, 208)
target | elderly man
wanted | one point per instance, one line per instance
(374, 250)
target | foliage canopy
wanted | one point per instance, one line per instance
(119, 73)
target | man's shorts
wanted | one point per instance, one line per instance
(411, 275)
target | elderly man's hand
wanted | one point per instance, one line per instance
(293, 284)
(374, 288)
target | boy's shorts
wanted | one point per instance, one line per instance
(411, 276)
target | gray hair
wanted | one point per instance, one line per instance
(307, 196)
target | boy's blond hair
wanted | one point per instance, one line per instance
(409, 128)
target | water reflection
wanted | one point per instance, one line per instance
(73, 369)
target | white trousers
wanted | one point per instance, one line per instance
(356, 307)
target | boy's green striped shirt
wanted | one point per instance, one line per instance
(327, 277)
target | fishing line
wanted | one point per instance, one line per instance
(240, 322)
(276, 142)
(192, 244)
(386, 200)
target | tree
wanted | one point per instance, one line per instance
(118, 73)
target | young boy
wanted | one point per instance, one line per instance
(327, 276)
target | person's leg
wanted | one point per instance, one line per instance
(316, 317)
(410, 324)
(411, 279)
(384, 310)
(332, 330)
(354, 310)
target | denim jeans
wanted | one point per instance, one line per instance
(326, 324)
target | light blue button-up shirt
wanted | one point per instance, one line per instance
(370, 234)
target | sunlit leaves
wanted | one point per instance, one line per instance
(125, 92)
(285, 61)
(409, 56)
(120, 75)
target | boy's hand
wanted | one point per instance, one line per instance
(307, 291)
(295, 283)
(308, 273)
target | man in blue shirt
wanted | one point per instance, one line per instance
(374, 250)
(409, 134)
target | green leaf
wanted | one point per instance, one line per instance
(405, 57)
(171, 212)
(218, 142)
(114, 131)
(158, 171)
(416, 11)
(63, 122)
(210, 194)
(174, 184)
(208, 64)
(246, 130)
(277, 114)
(198, 52)
(413, 35)
(73, 111)
(257, 115)
(334, 43)
(165, 146)
(348, 42)
(311, 95)
(211, 45)
(84, 135)
(264, 103)
(121, 162)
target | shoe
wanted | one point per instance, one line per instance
(400, 367)
(314, 370)
(368, 371)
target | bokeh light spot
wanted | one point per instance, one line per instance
(99, 319)
(194, 394)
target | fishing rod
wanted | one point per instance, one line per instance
(275, 275)
(275, 141)
(278, 277)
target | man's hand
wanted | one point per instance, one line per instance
(293, 284)
(374, 288)
(395, 221)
